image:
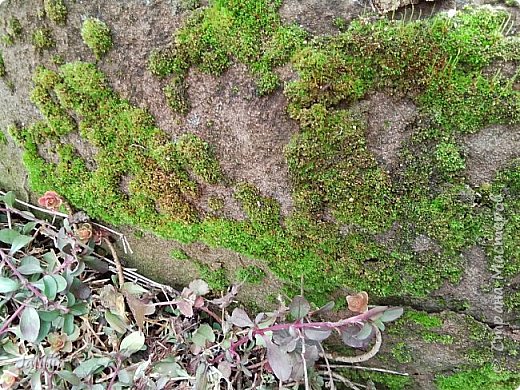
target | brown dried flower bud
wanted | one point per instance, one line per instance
(8, 379)
(50, 200)
(57, 341)
(84, 232)
(358, 303)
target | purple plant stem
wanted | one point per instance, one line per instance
(25, 282)
(6, 324)
(297, 325)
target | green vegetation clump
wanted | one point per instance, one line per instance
(3, 138)
(7, 40)
(128, 143)
(216, 278)
(342, 198)
(96, 35)
(381, 380)
(249, 31)
(177, 95)
(198, 156)
(449, 159)
(250, 274)
(2, 65)
(56, 10)
(215, 203)
(178, 254)
(42, 39)
(13, 31)
(482, 378)
(428, 321)
(14, 28)
(401, 353)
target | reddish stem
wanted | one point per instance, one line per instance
(25, 282)
(6, 324)
(211, 314)
(297, 325)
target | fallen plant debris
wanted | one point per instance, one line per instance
(72, 318)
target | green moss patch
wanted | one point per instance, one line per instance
(42, 39)
(96, 35)
(482, 378)
(248, 31)
(342, 198)
(56, 10)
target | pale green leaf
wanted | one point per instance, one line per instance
(50, 287)
(51, 259)
(29, 324)
(199, 287)
(68, 324)
(88, 367)
(133, 289)
(8, 285)
(29, 227)
(20, 242)
(365, 332)
(299, 307)
(9, 199)
(69, 377)
(392, 314)
(132, 343)
(115, 322)
(202, 334)
(61, 283)
(30, 265)
(8, 235)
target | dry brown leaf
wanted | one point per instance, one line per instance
(139, 308)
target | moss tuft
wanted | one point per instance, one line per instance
(56, 11)
(449, 159)
(2, 65)
(198, 156)
(481, 378)
(43, 39)
(14, 28)
(251, 274)
(247, 30)
(215, 203)
(177, 95)
(216, 278)
(96, 35)
(178, 254)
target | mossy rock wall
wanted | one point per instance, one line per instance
(246, 141)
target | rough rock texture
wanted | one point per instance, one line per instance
(249, 132)
(388, 120)
(489, 150)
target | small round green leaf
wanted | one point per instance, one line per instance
(365, 332)
(30, 265)
(30, 324)
(61, 283)
(19, 242)
(392, 314)
(299, 307)
(51, 288)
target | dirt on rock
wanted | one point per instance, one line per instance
(389, 121)
(488, 151)
(249, 132)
